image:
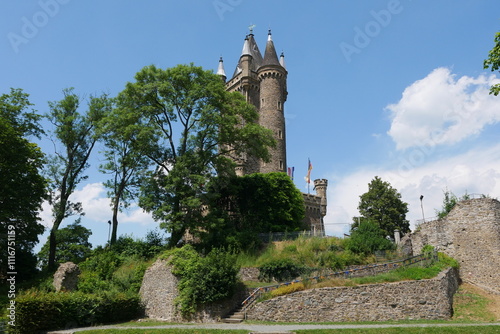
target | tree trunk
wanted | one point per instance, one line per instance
(52, 250)
(115, 223)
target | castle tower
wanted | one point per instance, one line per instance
(272, 78)
(262, 80)
(263, 83)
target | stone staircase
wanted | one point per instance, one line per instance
(237, 316)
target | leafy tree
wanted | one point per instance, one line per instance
(145, 248)
(493, 62)
(188, 126)
(125, 165)
(367, 238)
(449, 201)
(22, 187)
(72, 244)
(382, 204)
(75, 132)
(252, 204)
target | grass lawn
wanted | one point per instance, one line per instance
(470, 305)
(431, 330)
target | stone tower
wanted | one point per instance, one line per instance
(262, 80)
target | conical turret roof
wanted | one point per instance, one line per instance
(250, 48)
(270, 56)
(220, 69)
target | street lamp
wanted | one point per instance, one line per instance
(109, 231)
(422, 206)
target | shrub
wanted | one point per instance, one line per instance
(287, 289)
(37, 311)
(280, 270)
(367, 238)
(202, 280)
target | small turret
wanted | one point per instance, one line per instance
(320, 185)
(282, 60)
(220, 70)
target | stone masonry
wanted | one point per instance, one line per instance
(159, 290)
(470, 233)
(424, 299)
(66, 277)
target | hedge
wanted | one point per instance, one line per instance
(37, 311)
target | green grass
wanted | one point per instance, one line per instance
(165, 331)
(469, 306)
(408, 330)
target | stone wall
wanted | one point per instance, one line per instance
(470, 233)
(424, 299)
(160, 288)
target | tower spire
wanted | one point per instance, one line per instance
(220, 69)
(282, 60)
(270, 56)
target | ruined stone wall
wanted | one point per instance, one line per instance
(470, 233)
(160, 288)
(424, 299)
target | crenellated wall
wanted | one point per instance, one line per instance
(470, 233)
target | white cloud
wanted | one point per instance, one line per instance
(96, 206)
(475, 172)
(440, 109)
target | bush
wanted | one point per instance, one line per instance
(287, 289)
(202, 280)
(280, 270)
(36, 311)
(367, 238)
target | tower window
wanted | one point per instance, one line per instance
(281, 164)
(280, 134)
(279, 105)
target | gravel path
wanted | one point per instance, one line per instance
(273, 328)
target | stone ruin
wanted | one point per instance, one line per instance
(66, 277)
(470, 233)
(159, 291)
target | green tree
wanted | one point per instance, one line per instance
(125, 165)
(188, 126)
(449, 202)
(75, 132)
(382, 204)
(243, 207)
(493, 62)
(22, 187)
(367, 238)
(72, 245)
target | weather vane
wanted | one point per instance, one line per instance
(250, 27)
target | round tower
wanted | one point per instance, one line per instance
(320, 185)
(273, 92)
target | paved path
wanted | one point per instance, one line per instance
(274, 328)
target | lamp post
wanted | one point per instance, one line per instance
(109, 231)
(422, 206)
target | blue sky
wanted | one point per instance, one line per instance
(393, 88)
